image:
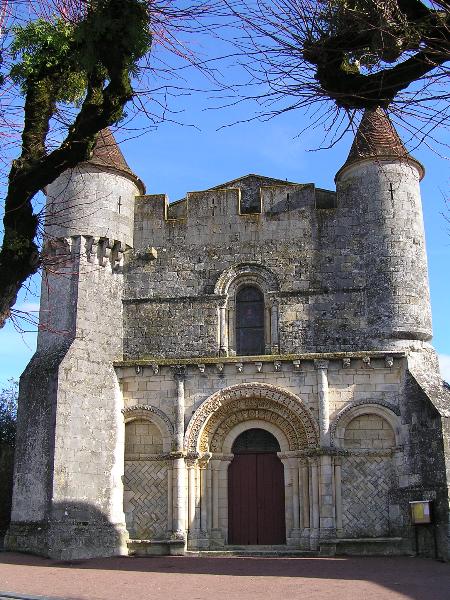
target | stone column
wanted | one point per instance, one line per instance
(338, 493)
(324, 407)
(314, 503)
(326, 498)
(192, 496)
(223, 331)
(216, 532)
(179, 470)
(180, 376)
(274, 342)
(294, 534)
(304, 494)
(223, 494)
(203, 541)
(326, 478)
(209, 503)
(169, 499)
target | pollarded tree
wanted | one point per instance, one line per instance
(358, 53)
(88, 56)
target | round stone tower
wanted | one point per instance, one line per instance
(68, 487)
(96, 198)
(89, 219)
(379, 187)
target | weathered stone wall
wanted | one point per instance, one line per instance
(352, 384)
(142, 437)
(367, 482)
(351, 273)
(85, 201)
(69, 464)
(145, 499)
(383, 199)
(369, 431)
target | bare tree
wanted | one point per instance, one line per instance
(347, 55)
(77, 63)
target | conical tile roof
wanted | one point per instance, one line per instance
(377, 138)
(107, 154)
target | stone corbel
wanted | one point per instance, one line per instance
(220, 367)
(91, 249)
(117, 254)
(366, 362)
(104, 248)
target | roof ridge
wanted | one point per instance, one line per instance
(225, 183)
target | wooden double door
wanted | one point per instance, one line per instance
(256, 507)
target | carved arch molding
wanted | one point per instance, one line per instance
(215, 418)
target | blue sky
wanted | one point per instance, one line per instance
(177, 158)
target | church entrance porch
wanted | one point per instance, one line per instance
(249, 479)
(256, 504)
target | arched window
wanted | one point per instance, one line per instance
(250, 338)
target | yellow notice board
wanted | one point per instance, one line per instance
(420, 512)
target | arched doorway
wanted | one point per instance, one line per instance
(256, 508)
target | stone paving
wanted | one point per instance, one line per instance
(186, 578)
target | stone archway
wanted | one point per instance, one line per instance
(146, 475)
(212, 431)
(224, 409)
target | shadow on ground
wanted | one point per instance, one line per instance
(415, 578)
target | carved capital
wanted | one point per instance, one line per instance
(179, 372)
(321, 364)
(204, 460)
(177, 454)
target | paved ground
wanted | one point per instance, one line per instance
(186, 578)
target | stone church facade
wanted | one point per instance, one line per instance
(247, 367)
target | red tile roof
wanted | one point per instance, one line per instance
(377, 138)
(107, 154)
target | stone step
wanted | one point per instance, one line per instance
(261, 551)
